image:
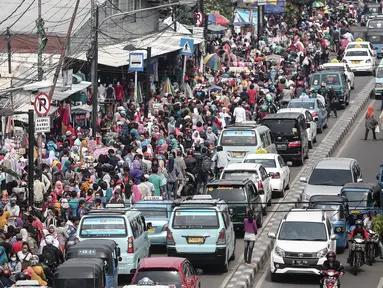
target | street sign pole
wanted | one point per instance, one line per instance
(136, 63)
(187, 49)
(184, 71)
(31, 147)
(135, 88)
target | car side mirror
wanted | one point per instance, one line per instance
(133, 271)
(308, 125)
(199, 271)
(271, 235)
(359, 180)
(377, 177)
(316, 119)
(231, 212)
(334, 237)
(303, 179)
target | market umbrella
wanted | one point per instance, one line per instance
(168, 87)
(212, 61)
(217, 19)
(318, 4)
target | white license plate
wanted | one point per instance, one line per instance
(300, 262)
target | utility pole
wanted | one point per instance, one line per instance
(40, 55)
(94, 65)
(147, 80)
(63, 49)
(31, 147)
(9, 50)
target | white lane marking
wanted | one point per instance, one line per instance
(380, 285)
(359, 122)
(263, 278)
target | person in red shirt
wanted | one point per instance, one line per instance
(252, 96)
(18, 245)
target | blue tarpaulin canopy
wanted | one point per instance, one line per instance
(242, 17)
(273, 6)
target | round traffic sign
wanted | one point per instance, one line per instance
(42, 104)
(199, 18)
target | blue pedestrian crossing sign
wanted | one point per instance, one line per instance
(187, 46)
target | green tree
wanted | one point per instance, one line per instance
(223, 7)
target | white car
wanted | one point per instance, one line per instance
(257, 173)
(301, 243)
(362, 44)
(311, 125)
(276, 167)
(360, 60)
(342, 67)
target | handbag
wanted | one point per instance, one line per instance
(25, 263)
(249, 236)
(377, 129)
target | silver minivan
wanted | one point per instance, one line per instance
(245, 138)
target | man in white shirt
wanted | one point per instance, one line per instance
(239, 113)
(150, 185)
(144, 189)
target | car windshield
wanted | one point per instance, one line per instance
(379, 73)
(301, 104)
(238, 138)
(103, 226)
(228, 193)
(375, 24)
(333, 211)
(152, 212)
(267, 163)
(282, 126)
(195, 219)
(161, 276)
(362, 53)
(356, 45)
(238, 175)
(302, 231)
(334, 68)
(376, 39)
(330, 177)
(358, 198)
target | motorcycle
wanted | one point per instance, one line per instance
(358, 247)
(371, 247)
(190, 185)
(331, 278)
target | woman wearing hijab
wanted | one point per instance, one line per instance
(172, 181)
(172, 125)
(211, 137)
(370, 123)
(136, 172)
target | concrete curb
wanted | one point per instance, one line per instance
(245, 274)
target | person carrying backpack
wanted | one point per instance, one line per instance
(52, 255)
(204, 166)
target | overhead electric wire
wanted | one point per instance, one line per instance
(13, 12)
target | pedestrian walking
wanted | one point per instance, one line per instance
(370, 123)
(251, 230)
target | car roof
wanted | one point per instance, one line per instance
(335, 163)
(303, 100)
(305, 215)
(340, 64)
(362, 185)
(286, 115)
(242, 166)
(361, 42)
(161, 262)
(260, 156)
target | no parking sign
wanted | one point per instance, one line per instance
(42, 104)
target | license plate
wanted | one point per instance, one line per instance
(196, 240)
(282, 146)
(355, 62)
(300, 262)
(151, 230)
(238, 154)
(355, 212)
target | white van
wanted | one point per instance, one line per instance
(245, 138)
(123, 225)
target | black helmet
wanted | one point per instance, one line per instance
(359, 224)
(331, 256)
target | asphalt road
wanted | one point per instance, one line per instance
(212, 278)
(367, 154)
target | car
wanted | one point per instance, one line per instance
(259, 175)
(241, 196)
(157, 212)
(246, 137)
(329, 175)
(360, 60)
(123, 225)
(372, 12)
(277, 169)
(302, 242)
(362, 44)
(168, 271)
(378, 90)
(316, 108)
(341, 67)
(201, 230)
(375, 36)
(336, 80)
(311, 125)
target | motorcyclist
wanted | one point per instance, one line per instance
(191, 162)
(368, 226)
(312, 93)
(271, 108)
(323, 90)
(358, 231)
(331, 264)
